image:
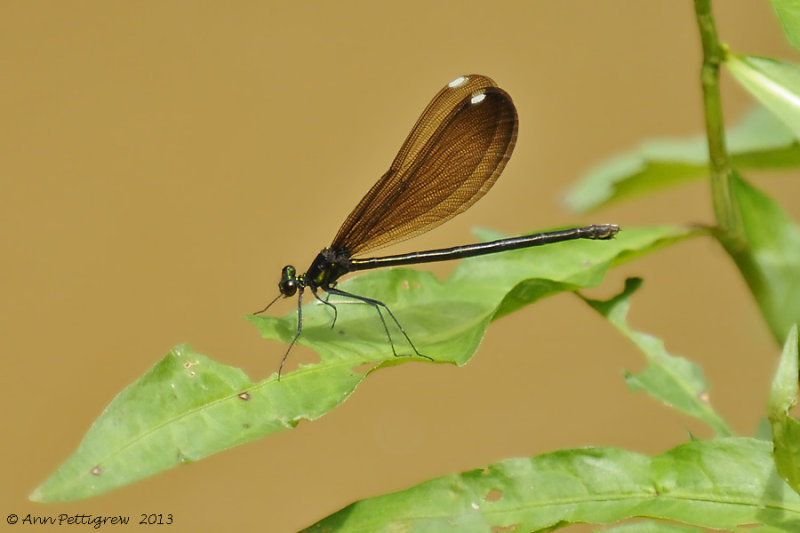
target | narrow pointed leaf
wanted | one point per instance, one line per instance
(760, 141)
(786, 428)
(673, 380)
(188, 406)
(447, 320)
(720, 484)
(789, 14)
(770, 263)
(183, 409)
(776, 84)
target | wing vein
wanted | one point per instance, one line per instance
(450, 159)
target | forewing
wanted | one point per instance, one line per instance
(452, 157)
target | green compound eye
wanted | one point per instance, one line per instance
(288, 283)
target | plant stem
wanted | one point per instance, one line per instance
(726, 211)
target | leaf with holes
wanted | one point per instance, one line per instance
(188, 407)
(721, 484)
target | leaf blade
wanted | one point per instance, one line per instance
(722, 483)
(788, 12)
(759, 141)
(673, 380)
(185, 408)
(776, 84)
(771, 260)
(219, 406)
(786, 428)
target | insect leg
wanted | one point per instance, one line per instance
(377, 304)
(326, 302)
(296, 335)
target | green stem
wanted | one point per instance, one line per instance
(725, 209)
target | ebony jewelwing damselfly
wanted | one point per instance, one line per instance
(452, 157)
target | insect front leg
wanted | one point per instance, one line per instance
(326, 302)
(377, 305)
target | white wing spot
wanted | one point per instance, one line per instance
(456, 82)
(478, 98)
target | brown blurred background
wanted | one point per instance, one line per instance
(161, 162)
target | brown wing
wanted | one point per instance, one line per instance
(452, 157)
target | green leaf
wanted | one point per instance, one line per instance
(770, 263)
(785, 428)
(183, 409)
(188, 406)
(760, 141)
(447, 320)
(721, 483)
(776, 84)
(559, 270)
(651, 527)
(789, 14)
(673, 380)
